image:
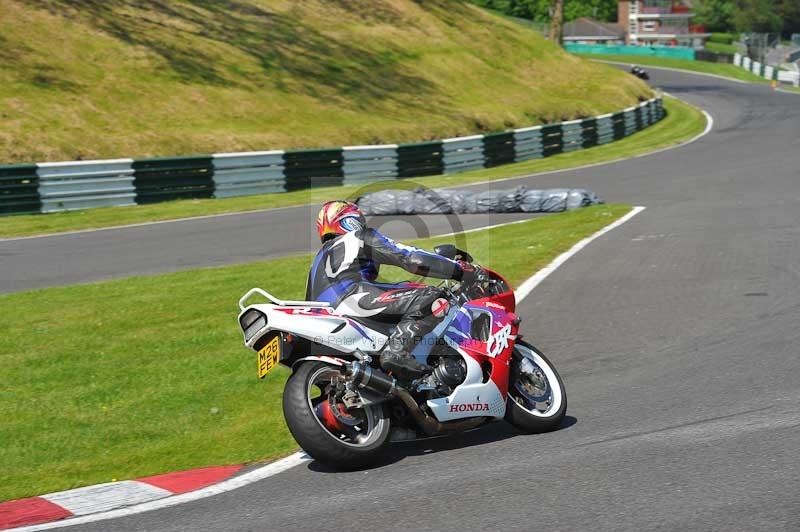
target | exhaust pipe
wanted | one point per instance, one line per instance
(365, 376)
(431, 425)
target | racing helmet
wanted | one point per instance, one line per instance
(339, 217)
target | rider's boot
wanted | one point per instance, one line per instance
(396, 356)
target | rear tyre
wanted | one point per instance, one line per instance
(537, 399)
(322, 425)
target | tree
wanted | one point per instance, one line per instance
(757, 16)
(557, 24)
(605, 10)
(789, 11)
(539, 10)
(715, 15)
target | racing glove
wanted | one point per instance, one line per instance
(470, 274)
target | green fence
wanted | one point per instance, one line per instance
(675, 52)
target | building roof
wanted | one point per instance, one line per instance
(587, 27)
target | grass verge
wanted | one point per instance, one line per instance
(681, 123)
(166, 78)
(719, 69)
(145, 375)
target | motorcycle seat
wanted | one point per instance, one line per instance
(383, 327)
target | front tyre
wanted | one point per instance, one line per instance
(537, 399)
(324, 427)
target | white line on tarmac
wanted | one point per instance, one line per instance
(227, 485)
(529, 284)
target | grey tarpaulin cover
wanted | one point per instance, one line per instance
(431, 201)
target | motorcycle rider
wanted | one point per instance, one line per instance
(343, 274)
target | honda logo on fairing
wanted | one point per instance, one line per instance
(474, 407)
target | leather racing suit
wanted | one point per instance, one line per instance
(343, 274)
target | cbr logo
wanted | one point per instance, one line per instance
(498, 341)
(474, 407)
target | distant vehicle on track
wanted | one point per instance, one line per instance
(639, 72)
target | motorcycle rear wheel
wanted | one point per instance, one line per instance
(325, 429)
(537, 399)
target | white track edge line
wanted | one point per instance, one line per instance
(476, 229)
(532, 282)
(709, 124)
(226, 485)
(300, 457)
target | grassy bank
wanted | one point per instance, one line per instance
(124, 78)
(681, 123)
(146, 375)
(719, 69)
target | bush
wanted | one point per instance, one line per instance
(723, 38)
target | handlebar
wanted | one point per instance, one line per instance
(460, 291)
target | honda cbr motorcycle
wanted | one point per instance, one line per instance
(344, 410)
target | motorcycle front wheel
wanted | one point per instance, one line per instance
(324, 427)
(537, 400)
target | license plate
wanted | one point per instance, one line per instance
(268, 356)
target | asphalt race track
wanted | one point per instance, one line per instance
(676, 334)
(157, 248)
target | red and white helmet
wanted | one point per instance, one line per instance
(339, 217)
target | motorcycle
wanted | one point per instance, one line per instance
(344, 410)
(639, 72)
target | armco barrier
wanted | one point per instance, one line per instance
(86, 184)
(171, 178)
(51, 187)
(313, 168)
(498, 149)
(462, 154)
(766, 71)
(588, 133)
(248, 174)
(363, 164)
(571, 136)
(552, 140)
(423, 158)
(19, 189)
(528, 144)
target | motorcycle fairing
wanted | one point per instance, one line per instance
(320, 325)
(479, 395)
